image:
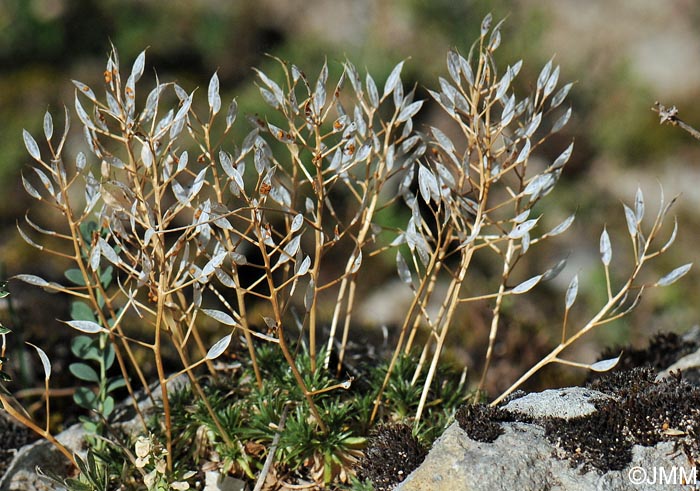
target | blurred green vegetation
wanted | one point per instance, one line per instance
(45, 43)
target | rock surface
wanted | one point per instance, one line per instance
(21, 472)
(561, 403)
(524, 458)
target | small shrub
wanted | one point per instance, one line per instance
(168, 224)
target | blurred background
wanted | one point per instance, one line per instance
(622, 55)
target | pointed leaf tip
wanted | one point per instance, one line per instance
(88, 327)
(393, 80)
(31, 145)
(44, 360)
(674, 275)
(605, 365)
(219, 316)
(213, 96)
(527, 285)
(219, 347)
(605, 248)
(572, 292)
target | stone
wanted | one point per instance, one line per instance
(562, 403)
(13, 436)
(574, 439)
(21, 471)
(214, 481)
(522, 458)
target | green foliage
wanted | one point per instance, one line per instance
(254, 417)
(98, 356)
(92, 475)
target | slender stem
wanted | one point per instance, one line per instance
(35, 428)
(497, 313)
(445, 325)
(48, 410)
(162, 378)
(273, 449)
(552, 356)
(319, 236)
(283, 342)
(240, 292)
(404, 329)
(346, 326)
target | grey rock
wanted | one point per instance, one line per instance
(523, 459)
(214, 481)
(21, 472)
(689, 365)
(561, 403)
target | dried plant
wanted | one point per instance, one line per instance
(169, 225)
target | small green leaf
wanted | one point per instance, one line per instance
(5, 377)
(76, 485)
(80, 311)
(107, 276)
(87, 229)
(83, 467)
(116, 384)
(84, 372)
(75, 276)
(109, 356)
(108, 406)
(354, 441)
(4, 330)
(86, 348)
(88, 425)
(84, 397)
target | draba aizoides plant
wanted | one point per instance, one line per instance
(196, 228)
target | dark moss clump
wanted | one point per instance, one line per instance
(665, 411)
(481, 421)
(597, 440)
(645, 412)
(663, 350)
(392, 454)
(622, 383)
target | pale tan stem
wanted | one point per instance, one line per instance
(551, 357)
(507, 264)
